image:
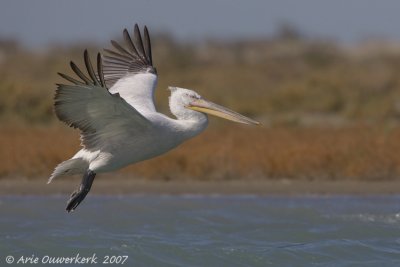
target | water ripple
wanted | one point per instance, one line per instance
(209, 231)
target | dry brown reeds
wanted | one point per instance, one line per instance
(226, 152)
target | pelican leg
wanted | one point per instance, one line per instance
(80, 194)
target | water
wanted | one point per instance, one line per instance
(204, 230)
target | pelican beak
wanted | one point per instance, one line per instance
(205, 106)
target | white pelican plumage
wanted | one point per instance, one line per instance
(114, 110)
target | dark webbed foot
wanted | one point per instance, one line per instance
(76, 198)
(79, 195)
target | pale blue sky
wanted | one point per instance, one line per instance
(40, 22)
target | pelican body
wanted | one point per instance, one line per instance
(113, 107)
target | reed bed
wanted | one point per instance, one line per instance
(226, 152)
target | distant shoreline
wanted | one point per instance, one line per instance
(121, 186)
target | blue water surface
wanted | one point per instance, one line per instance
(203, 230)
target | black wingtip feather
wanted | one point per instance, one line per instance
(89, 67)
(136, 49)
(78, 72)
(128, 40)
(121, 49)
(70, 79)
(95, 78)
(147, 46)
(131, 57)
(100, 70)
(138, 42)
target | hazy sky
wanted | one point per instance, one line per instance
(39, 22)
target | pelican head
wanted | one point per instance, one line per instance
(186, 104)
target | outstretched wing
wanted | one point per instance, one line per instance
(89, 106)
(132, 59)
(129, 71)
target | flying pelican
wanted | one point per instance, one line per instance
(114, 110)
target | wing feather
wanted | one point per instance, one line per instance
(80, 73)
(115, 54)
(90, 107)
(100, 70)
(139, 43)
(147, 45)
(70, 79)
(132, 58)
(121, 49)
(131, 46)
(89, 68)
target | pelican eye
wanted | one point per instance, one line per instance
(190, 95)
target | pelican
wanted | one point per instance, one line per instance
(113, 107)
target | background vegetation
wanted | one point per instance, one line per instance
(329, 111)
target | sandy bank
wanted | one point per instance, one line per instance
(262, 187)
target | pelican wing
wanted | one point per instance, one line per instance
(129, 71)
(89, 106)
(132, 59)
